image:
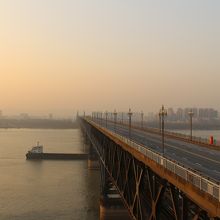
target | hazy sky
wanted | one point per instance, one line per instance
(62, 55)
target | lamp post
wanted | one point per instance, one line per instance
(122, 116)
(190, 113)
(142, 119)
(162, 114)
(115, 119)
(129, 115)
(101, 118)
(159, 122)
(106, 118)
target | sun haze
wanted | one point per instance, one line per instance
(63, 56)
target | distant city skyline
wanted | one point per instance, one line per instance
(62, 56)
(172, 112)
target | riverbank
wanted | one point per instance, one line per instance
(39, 123)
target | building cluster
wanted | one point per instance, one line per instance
(25, 116)
(182, 114)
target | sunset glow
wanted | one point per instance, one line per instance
(64, 56)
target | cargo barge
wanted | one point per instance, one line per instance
(36, 153)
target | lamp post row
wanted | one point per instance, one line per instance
(162, 114)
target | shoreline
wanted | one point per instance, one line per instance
(38, 124)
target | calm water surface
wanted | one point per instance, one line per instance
(33, 190)
(46, 190)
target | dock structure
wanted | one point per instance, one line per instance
(57, 156)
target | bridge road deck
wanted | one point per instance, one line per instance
(204, 160)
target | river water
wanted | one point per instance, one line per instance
(49, 190)
(46, 190)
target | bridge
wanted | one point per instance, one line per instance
(142, 179)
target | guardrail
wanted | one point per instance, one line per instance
(191, 176)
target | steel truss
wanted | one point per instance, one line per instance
(145, 194)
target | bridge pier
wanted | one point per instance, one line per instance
(112, 208)
(93, 160)
(111, 205)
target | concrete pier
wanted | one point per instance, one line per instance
(93, 164)
(93, 159)
(113, 208)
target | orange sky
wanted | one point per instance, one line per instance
(64, 56)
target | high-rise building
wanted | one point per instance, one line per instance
(171, 116)
(180, 114)
(195, 112)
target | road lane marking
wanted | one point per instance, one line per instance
(197, 155)
(198, 164)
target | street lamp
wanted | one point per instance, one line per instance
(142, 119)
(106, 118)
(115, 119)
(190, 113)
(162, 114)
(122, 116)
(159, 122)
(129, 115)
(101, 118)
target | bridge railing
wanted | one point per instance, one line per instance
(203, 183)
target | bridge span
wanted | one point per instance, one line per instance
(181, 184)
